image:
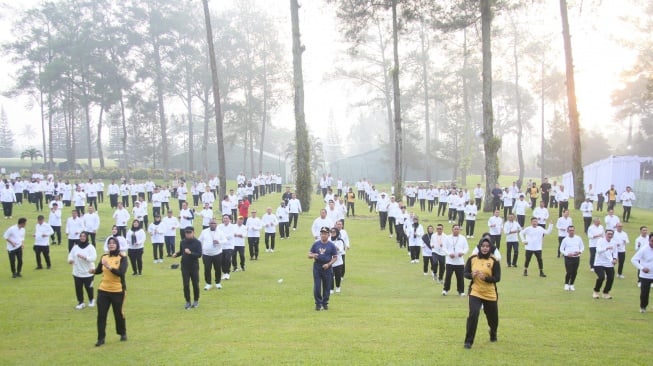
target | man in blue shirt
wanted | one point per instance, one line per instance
(324, 253)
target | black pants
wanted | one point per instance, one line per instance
(226, 260)
(238, 252)
(426, 262)
(626, 215)
(438, 265)
(431, 203)
(188, 276)
(592, 256)
(284, 229)
(496, 204)
(469, 227)
(157, 250)
(414, 252)
(521, 219)
(344, 263)
(611, 204)
(538, 256)
(644, 292)
(587, 221)
(507, 210)
(253, 247)
(80, 210)
(458, 269)
(269, 240)
(452, 214)
(491, 310)
(136, 260)
(104, 301)
(91, 237)
(621, 260)
(571, 269)
(170, 244)
(71, 243)
(156, 211)
(372, 205)
(350, 206)
(113, 200)
(496, 240)
(422, 204)
(92, 201)
(16, 260)
(212, 263)
(293, 217)
(100, 196)
(607, 274)
(45, 250)
(122, 231)
(401, 237)
(38, 200)
(125, 201)
(383, 219)
(19, 198)
(533, 203)
(461, 217)
(562, 206)
(442, 208)
(165, 207)
(196, 200)
(392, 222)
(7, 208)
(81, 284)
(322, 282)
(478, 202)
(337, 275)
(513, 247)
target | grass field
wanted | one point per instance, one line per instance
(387, 314)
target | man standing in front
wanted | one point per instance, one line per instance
(15, 237)
(324, 253)
(643, 260)
(190, 250)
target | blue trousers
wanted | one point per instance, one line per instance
(322, 282)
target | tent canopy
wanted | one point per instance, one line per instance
(622, 171)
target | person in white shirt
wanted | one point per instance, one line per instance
(571, 248)
(206, 214)
(113, 191)
(519, 209)
(594, 233)
(228, 229)
(606, 258)
(562, 224)
(470, 219)
(643, 261)
(91, 193)
(321, 222)
(495, 224)
(641, 241)
(7, 197)
(254, 226)
(455, 248)
(512, 228)
(478, 195)
(54, 219)
(156, 231)
(74, 227)
(15, 238)
(627, 199)
(186, 217)
(460, 208)
(212, 240)
(586, 208)
(620, 238)
(208, 197)
(182, 191)
(382, 205)
(91, 222)
(270, 223)
(240, 233)
(611, 220)
(562, 197)
(438, 253)
(136, 244)
(541, 214)
(170, 226)
(507, 199)
(533, 237)
(294, 207)
(120, 217)
(79, 199)
(283, 219)
(414, 233)
(82, 257)
(42, 232)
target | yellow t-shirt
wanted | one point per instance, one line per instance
(110, 281)
(480, 288)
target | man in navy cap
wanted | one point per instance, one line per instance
(324, 253)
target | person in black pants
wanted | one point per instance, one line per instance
(190, 250)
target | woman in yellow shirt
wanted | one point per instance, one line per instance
(484, 271)
(111, 292)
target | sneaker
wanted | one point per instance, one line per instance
(325, 307)
(468, 345)
(187, 306)
(293, 229)
(607, 296)
(542, 274)
(156, 261)
(462, 294)
(639, 284)
(331, 292)
(592, 269)
(80, 306)
(243, 269)
(99, 342)
(91, 303)
(642, 310)
(224, 275)
(337, 290)
(271, 250)
(235, 270)
(123, 338)
(227, 276)
(525, 272)
(218, 286)
(595, 295)
(426, 274)
(444, 293)
(572, 288)
(207, 287)
(318, 307)
(195, 304)
(566, 287)
(622, 276)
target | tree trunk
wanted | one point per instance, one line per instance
(189, 98)
(87, 116)
(42, 108)
(123, 140)
(574, 128)
(397, 176)
(387, 94)
(491, 143)
(265, 110)
(425, 87)
(467, 131)
(216, 100)
(303, 158)
(205, 138)
(100, 153)
(520, 128)
(162, 114)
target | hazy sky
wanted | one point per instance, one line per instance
(598, 62)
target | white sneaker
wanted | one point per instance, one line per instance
(639, 284)
(156, 261)
(161, 260)
(622, 276)
(426, 274)
(572, 288)
(462, 294)
(207, 287)
(91, 303)
(331, 292)
(218, 286)
(642, 310)
(592, 269)
(444, 293)
(224, 275)
(271, 250)
(80, 306)
(338, 290)
(566, 287)
(227, 276)
(293, 229)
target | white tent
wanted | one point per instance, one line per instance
(621, 171)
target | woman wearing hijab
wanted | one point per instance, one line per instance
(82, 257)
(136, 240)
(111, 292)
(484, 271)
(338, 264)
(122, 242)
(427, 252)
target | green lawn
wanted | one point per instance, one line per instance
(387, 314)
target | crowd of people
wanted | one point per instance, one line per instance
(222, 246)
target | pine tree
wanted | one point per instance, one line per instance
(6, 136)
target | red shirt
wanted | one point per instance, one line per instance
(243, 208)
